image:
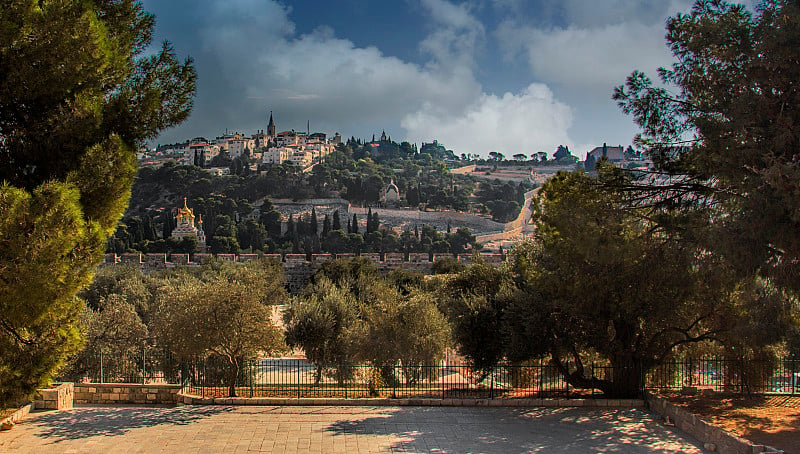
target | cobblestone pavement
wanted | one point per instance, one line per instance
(217, 429)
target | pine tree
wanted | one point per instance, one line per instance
(78, 97)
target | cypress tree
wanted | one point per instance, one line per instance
(355, 224)
(326, 226)
(337, 223)
(313, 226)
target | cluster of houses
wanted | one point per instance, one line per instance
(270, 147)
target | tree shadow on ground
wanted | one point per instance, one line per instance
(84, 422)
(504, 430)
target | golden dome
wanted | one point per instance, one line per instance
(185, 215)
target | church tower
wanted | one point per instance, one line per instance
(271, 127)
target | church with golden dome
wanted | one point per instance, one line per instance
(186, 226)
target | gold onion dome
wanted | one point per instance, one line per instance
(185, 212)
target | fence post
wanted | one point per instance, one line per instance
(491, 383)
(101, 367)
(144, 365)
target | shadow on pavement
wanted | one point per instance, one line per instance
(495, 430)
(84, 422)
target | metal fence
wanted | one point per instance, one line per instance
(144, 366)
(301, 379)
(284, 377)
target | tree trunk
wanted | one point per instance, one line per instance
(627, 378)
(233, 377)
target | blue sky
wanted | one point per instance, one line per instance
(514, 76)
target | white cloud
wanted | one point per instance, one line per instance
(457, 33)
(527, 122)
(254, 61)
(588, 59)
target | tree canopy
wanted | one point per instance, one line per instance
(77, 98)
(600, 278)
(723, 132)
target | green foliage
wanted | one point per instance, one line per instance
(600, 277)
(409, 331)
(735, 83)
(225, 312)
(77, 98)
(503, 200)
(355, 275)
(447, 265)
(323, 322)
(45, 247)
(474, 301)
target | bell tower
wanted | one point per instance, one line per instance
(271, 127)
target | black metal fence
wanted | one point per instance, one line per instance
(284, 377)
(144, 366)
(301, 379)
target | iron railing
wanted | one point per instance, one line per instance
(289, 377)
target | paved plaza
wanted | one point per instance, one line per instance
(218, 429)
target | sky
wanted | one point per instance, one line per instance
(511, 76)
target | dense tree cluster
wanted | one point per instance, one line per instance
(349, 315)
(220, 310)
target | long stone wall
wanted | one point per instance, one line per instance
(298, 268)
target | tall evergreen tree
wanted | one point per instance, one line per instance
(736, 96)
(78, 97)
(326, 226)
(355, 223)
(313, 222)
(337, 223)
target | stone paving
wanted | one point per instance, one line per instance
(219, 429)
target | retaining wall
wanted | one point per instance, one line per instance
(714, 438)
(190, 399)
(59, 397)
(126, 393)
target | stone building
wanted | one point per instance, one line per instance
(391, 195)
(186, 226)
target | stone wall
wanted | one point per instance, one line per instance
(126, 393)
(298, 268)
(59, 397)
(713, 438)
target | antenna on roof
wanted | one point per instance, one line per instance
(308, 127)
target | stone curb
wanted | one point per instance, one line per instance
(712, 437)
(189, 399)
(9, 421)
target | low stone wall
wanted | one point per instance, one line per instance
(17, 416)
(190, 399)
(59, 397)
(713, 438)
(126, 393)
